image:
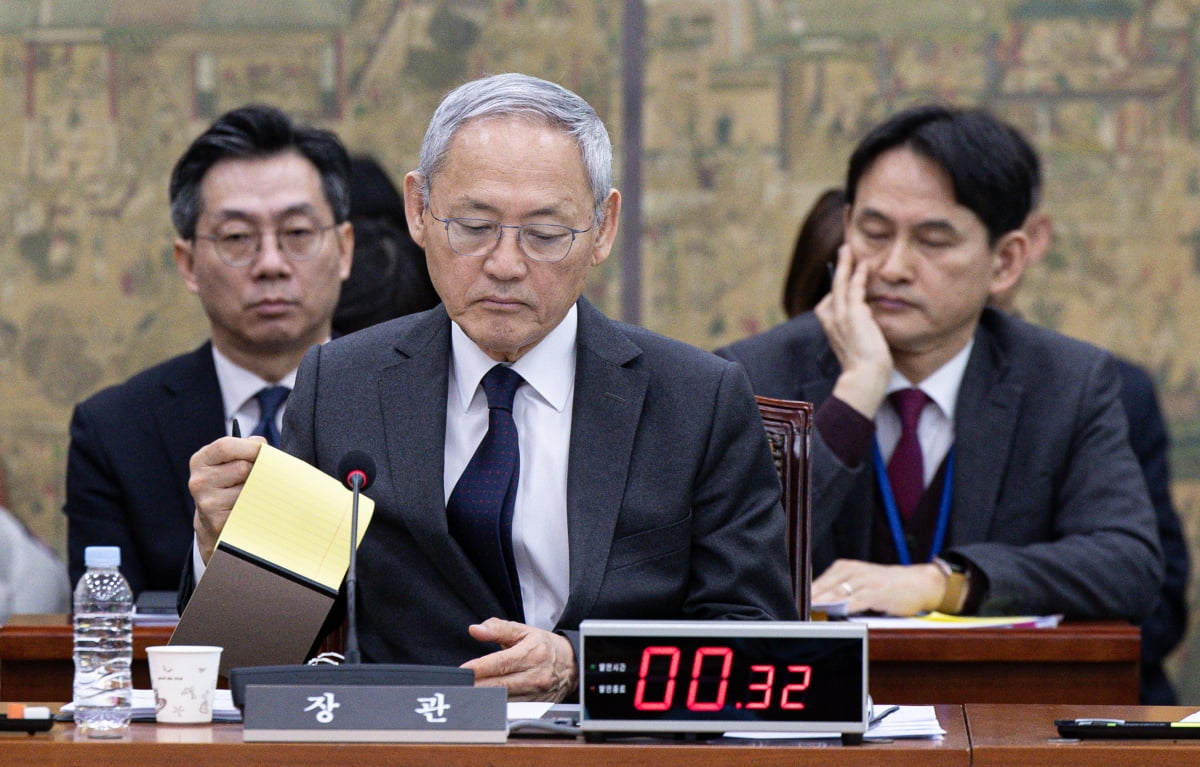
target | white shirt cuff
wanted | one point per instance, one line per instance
(198, 566)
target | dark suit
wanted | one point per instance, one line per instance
(673, 501)
(1165, 627)
(1048, 500)
(127, 467)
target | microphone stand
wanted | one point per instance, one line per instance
(352, 655)
(352, 672)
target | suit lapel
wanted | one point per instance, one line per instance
(606, 413)
(819, 387)
(984, 423)
(412, 392)
(191, 413)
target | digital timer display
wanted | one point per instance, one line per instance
(728, 679)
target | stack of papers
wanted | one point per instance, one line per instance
(936, 620)
(903, 722)
(156, 608)
(144, 705)
(830, 611)
(907, 722)
(154, 619)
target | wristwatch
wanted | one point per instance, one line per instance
(958, 586)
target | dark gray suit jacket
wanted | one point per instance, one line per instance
(1049, 502)
(127, 467)
(673, 500)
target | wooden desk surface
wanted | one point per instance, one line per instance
(1007, 665)
(1071, 640)
(1020, 736)
(1059, 665)
(222, 744)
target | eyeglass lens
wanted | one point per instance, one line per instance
(238, 244)
(479, 237)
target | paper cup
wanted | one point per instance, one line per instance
(184, 678)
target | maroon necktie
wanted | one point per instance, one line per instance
(906, 469)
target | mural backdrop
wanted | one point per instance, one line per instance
(750, 110)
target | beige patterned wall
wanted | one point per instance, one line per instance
(751, 107)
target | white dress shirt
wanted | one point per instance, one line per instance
(542, 412)
(238, 387)
(935, 429)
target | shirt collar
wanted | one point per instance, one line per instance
(239, 385)
(548, 367)
(943, 384)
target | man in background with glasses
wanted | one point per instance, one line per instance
(260, 206)
(632, 477)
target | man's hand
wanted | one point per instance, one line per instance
(890, 589)
(534, 664)
(218, 471)
(855, 337)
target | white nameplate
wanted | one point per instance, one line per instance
(417, 714)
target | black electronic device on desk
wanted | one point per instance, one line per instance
(703, 678)
(1126, 730)
(21, 718)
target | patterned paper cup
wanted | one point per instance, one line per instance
(184, 678)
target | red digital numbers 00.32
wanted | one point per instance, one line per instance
(715, 657)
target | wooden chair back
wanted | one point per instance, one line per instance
(788, 424)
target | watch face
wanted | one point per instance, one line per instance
(724, 679)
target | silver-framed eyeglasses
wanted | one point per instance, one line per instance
(478, 237)
(238, 244)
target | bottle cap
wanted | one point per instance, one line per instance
(102, 556)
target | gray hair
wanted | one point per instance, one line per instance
(516, 94)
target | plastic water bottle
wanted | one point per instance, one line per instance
(103, 695)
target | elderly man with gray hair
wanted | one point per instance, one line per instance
(539, 463)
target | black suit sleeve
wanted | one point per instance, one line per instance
(96, 503)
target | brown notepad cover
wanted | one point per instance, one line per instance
(260, 615)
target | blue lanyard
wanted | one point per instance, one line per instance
(893, 513)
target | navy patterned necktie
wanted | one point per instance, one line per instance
(480, 508)
(906, 469)
(270, 399)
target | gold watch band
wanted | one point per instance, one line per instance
(958, 585)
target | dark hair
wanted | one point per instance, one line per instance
(978, 152)
(388, 276)
(1030, 157)
(372, 193)
(251, 132)
(816, 247)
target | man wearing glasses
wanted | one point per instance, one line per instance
(260, 206)
(538, 463)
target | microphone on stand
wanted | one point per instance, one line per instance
(357, 471)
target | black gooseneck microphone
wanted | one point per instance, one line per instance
(357, 470)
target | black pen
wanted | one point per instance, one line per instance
(876, 718)
(236, 431)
